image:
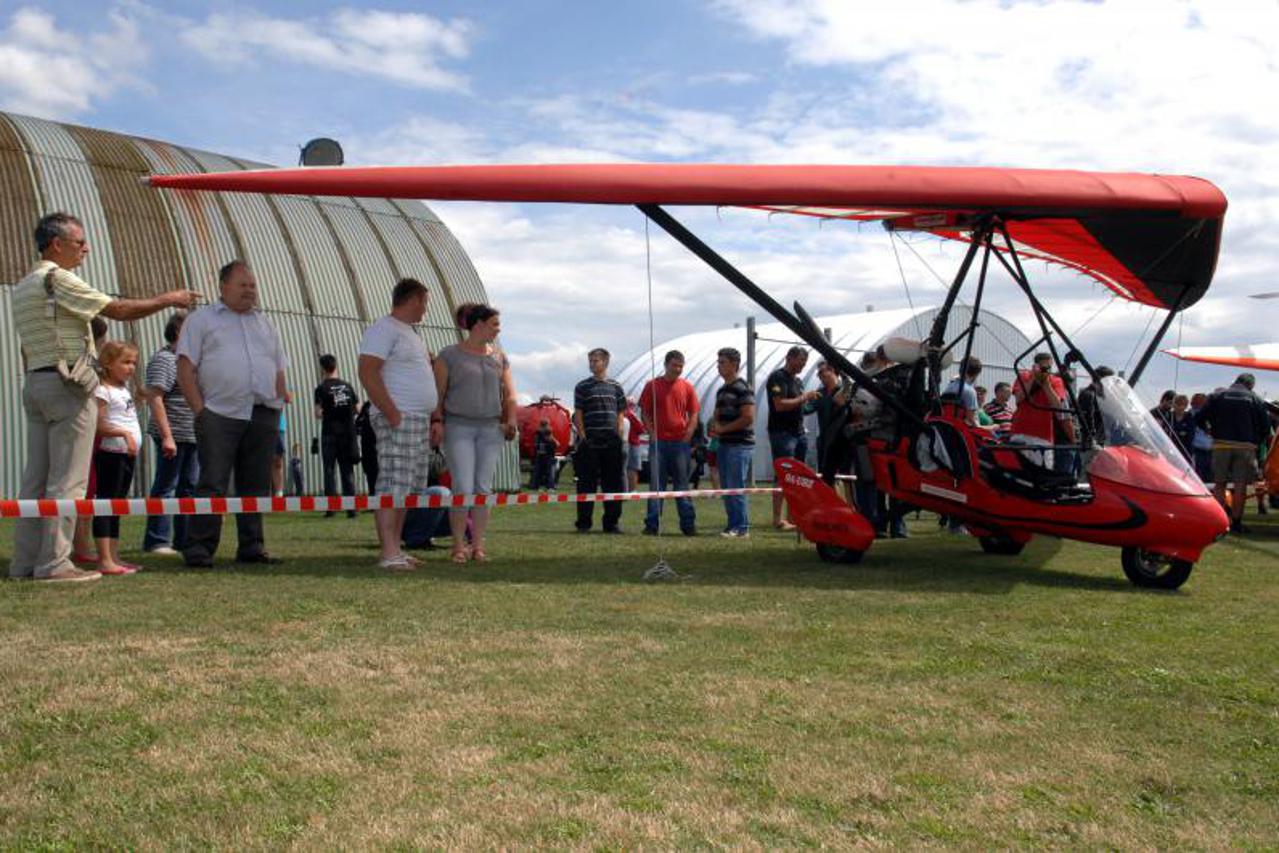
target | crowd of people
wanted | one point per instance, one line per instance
(216, 394)
(608, 434)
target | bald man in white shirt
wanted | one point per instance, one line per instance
(231, 370)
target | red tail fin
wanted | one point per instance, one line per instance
(821, 514)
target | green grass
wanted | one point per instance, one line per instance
(932, 695)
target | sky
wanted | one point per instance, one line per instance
(1166, 87)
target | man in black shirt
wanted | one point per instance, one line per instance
(599, 407)
(335, 404)
(1237, 421)
(1163, 412)
(1090, 408)
(734, 424)
(786, 399)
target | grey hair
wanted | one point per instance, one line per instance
(51, 226)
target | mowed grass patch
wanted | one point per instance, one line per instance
(930, 695)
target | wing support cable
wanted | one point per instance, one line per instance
(959, 301)
(661, 570)
(807, 331)
(914, 317)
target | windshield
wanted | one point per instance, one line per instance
(1137, 451)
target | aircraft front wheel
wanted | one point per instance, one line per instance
(1001, 545)
(1154, 571)
(836, 554)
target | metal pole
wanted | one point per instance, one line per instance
(750, 378)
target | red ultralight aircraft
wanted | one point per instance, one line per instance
(1151, 239)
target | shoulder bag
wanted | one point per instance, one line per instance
(82, 373)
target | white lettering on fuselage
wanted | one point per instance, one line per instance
(796, 480)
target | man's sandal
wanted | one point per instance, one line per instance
(396, 564)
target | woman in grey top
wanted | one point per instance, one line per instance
(477, 412)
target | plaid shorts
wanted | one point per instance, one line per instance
(403, 454)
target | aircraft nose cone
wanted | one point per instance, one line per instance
(1201, 522)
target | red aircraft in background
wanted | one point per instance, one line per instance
(1151, 239)
(1248, 357)
(551, 410)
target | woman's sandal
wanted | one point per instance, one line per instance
(478, 554)
(461, 555)
(116, 569)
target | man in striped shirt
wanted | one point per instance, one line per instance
(599, 407)
(172, 428)
(52, 308)
(999, 409)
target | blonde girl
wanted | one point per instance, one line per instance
(119, 434)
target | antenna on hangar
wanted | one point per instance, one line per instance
(322, 152)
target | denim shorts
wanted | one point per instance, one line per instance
(788, 444)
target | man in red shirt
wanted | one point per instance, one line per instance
(669, 406)
(1041, 409)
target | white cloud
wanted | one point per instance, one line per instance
(726, 78)
(56, 73)
(418, 140)
(1180, 87)
(569, 278)
(407, 48)
(1174, 88)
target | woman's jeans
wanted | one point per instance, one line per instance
(471, 451)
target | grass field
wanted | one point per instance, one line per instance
(932, 695)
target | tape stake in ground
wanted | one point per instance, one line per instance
(226, 506)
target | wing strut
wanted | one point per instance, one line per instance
(1157, 339)
(937, 335)
(807, 332)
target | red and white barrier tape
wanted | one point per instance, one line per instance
(226, 506)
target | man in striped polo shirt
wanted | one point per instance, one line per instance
(599, 407)
(52, 308)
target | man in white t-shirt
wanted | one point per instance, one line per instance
(395, 370)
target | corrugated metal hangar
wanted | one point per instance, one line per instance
(325, 266)
(997, 343)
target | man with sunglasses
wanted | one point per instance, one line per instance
(52, 309)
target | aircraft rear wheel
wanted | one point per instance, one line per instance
(1154, 571)
(836, 554)
(1001, 545)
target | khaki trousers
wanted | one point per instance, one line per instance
(60, 427)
